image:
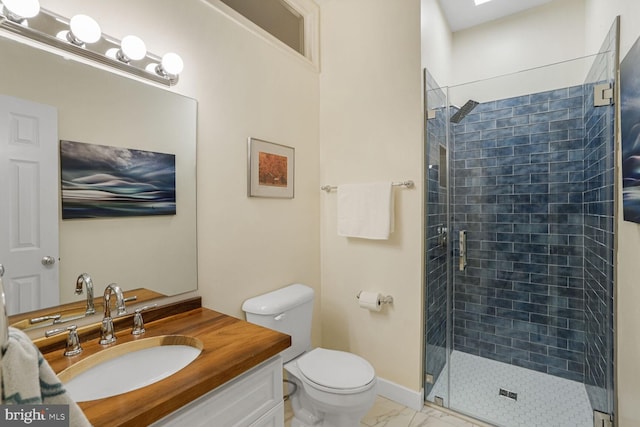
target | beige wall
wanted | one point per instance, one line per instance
(245, 87)
(437, 42)
(370, 130)
(526, 40)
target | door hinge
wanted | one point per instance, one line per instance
(601, 419)
(428, 378)
(603, 94)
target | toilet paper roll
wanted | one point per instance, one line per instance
(370, 300)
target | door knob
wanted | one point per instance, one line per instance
(48, 260)
(1, 270)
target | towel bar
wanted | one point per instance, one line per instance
(409, 184)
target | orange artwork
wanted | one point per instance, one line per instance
(272, 169)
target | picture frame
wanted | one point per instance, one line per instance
(270, 169)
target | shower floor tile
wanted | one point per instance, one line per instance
(542, 400)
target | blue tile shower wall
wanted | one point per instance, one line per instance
(518, 171)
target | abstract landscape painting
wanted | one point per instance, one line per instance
(100, 181)
(630, 129)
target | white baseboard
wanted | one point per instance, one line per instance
(400, 394)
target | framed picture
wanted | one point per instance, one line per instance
(271, 169)
(630, 130)
(100, 181)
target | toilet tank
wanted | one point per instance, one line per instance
(288, 310)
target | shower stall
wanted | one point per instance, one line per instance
(519, 244)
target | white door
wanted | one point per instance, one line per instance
(29, 204)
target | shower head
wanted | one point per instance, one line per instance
(462, 112)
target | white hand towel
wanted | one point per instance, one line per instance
(365, 210)
(27, 379)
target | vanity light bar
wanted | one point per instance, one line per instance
(52, 29)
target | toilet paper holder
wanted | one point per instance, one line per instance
(384, 300)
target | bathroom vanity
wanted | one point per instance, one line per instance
(236, 379)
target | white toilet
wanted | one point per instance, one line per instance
(334, 388)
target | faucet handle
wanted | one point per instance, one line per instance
(54, 317)
(131, 298)
(138, 323)
(73, 341)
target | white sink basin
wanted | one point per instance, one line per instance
(129, 366)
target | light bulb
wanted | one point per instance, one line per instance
(152, 68)
(84, 29)
(172, 64)
(22, 8)
(112, 52)
(133, 48)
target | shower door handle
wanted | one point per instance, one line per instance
(462, 257)
(441, 231)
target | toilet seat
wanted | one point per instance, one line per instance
(336, 371)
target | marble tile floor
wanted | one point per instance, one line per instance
(386, 413)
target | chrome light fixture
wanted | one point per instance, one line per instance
(82, 36)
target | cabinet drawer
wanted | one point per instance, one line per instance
(238, 403)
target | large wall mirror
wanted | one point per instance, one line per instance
(95, 106)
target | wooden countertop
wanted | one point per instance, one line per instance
(231, 347)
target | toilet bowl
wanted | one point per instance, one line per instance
(333, 388)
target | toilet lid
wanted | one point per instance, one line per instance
(336, 369)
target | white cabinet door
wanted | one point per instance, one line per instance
(29, 204)
(248, 400)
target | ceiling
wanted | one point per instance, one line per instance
(462, 14)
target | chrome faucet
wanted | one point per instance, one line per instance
(85, 279)
(107, 334)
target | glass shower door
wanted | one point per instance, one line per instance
(437, 304)
(525, 169)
